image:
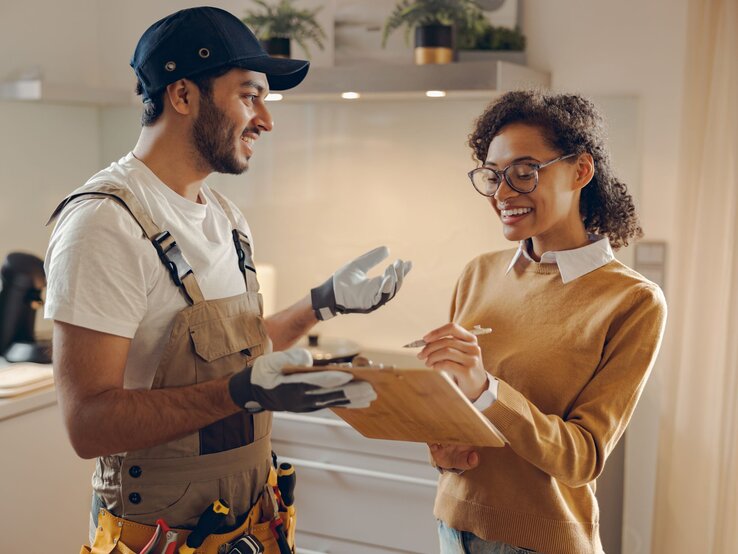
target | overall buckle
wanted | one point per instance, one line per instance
(172, 258)
(244, 256)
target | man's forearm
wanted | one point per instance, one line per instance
(286, 327)
(121, 420)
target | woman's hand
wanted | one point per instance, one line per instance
(453, 458)
(453, 349)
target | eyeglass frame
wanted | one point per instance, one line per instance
(502, 174)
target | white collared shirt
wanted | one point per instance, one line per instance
(572, 265)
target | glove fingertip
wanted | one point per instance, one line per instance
(388, 285)
(299, 356)
(328, 379)
(370, 259)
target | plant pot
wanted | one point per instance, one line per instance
(434, 44)
(277, 47)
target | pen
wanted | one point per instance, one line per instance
(476, 330)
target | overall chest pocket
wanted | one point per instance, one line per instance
(225, 345)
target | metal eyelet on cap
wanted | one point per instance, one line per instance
(204, 53)
(170, 66)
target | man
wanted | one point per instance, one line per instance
(163, 363)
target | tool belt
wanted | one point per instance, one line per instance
(115, 535)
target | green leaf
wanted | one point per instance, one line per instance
(284, 20)
(415, 13)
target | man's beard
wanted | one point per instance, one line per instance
(213, 137)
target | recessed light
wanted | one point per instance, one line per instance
(273, 97)
(350, 95)
(435, 93)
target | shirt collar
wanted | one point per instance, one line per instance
(572, 263)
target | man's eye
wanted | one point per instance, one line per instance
(249, 97)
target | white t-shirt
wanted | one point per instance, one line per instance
(104, 274)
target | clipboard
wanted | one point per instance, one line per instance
(415, 405)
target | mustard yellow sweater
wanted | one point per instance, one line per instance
(572, 360)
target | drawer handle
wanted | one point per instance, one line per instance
(361, 472)
(324, 421)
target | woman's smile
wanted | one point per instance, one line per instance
(512, 215)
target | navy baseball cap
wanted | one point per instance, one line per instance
(196, 40)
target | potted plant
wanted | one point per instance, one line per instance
(279, 23)
(481, 37)
(434, 22)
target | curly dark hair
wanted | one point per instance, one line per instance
(569, 123)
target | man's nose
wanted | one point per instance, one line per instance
(264, 119)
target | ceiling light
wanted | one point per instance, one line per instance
(435, 93)
(273, 97)
(350, 95)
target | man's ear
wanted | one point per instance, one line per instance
(180, 95)
(585, 168)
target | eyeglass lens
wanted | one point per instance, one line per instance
(521, 177)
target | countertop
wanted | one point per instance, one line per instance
(28, 402)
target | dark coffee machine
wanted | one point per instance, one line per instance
(23, 282)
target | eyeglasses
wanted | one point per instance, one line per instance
(522, 177)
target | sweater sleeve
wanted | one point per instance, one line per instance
(573, 449)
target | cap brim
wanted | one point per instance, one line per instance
(282, 73)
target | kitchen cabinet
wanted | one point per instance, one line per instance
(353, 494)
(357, 495)
(44, 486)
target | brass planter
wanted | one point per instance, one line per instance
(434, 44)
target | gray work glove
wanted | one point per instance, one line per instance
(263, 386)
(349, 290)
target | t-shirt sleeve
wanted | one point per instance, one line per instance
(99, 268)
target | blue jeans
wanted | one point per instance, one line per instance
(464, 542)
(94, 511)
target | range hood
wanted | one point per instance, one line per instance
(468, 79)
(386, 81)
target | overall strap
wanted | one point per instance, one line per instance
(243, 245)
(165, 245)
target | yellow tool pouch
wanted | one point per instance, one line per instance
(115, 535)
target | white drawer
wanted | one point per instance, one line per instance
(339, 497)
(323, 429)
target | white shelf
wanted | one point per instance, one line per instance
(388, 81)
(37, 90)
(465, 79)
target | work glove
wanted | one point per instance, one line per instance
(263, 386)
(349, 290)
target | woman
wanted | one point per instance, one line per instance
(575, 333)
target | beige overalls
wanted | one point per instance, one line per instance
(229, 459)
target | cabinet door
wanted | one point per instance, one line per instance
(44, 485)
(354, 494)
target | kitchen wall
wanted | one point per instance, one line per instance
(335, 179)
(45, 150)
(324, 198)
